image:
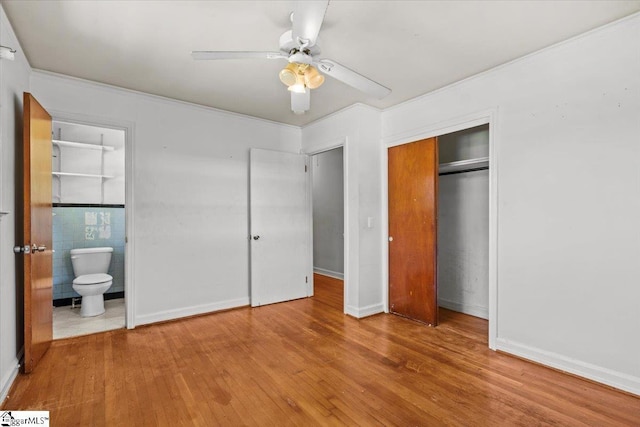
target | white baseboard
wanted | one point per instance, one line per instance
(191, 311)
(472, 310)
(329, 273)
(596, 373)
(369, 310)
(9, 377)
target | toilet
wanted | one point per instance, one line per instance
(90, 266)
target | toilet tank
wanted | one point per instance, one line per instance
(90, 260)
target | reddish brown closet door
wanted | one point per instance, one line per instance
(413, 196)
(36, 227)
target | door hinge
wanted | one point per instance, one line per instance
(305, 168)
(306, 279)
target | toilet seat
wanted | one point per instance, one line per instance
(92, 279)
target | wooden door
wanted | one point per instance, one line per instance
(280, 227)
(413, 196)
(36, 232)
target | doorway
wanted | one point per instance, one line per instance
(328, 216)
(88, 197)
(463, 168)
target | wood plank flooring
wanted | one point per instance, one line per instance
(305, 363)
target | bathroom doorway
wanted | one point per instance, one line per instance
(88, 197)
(327, 176)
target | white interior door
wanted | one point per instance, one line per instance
(280, 227)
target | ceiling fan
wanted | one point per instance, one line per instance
(305, 70)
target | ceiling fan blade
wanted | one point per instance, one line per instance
(353, 79)
(208, 54)
(300, 101)
(307, 20)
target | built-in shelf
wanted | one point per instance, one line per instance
(464, 165)
(82, 175)
(72, 144)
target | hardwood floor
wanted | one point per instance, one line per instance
(305, 363)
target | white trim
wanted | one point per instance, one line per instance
(494, 145)
(310, 283)
(366, 311)
(157, 98)
(596, 373)
(472, 310)
(192, 311)
(329, 273)
(10, 377)
(331, 145)
(489, 117)
(129, 155)
(438, 129)
(384, 226)
(8, 380)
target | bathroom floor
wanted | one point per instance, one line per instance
(68, 323)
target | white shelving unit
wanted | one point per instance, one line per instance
(81, 175)
(84, 145)
(60, 143)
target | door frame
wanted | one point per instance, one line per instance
(479, 118)
(339, 143)
(129, 130)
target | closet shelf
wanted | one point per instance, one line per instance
(464, 165)
(72, 144)
(82, 175)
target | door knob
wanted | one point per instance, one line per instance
(20, 249)
(256, 237)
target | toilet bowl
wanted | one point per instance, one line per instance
(90, 266)
(91, 288)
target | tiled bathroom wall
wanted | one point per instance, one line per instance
(86, 227)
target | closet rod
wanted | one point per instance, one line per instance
(461, 166)
(484, 168)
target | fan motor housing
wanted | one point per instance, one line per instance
(288, 44)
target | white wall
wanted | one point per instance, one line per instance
(328, 212)
(358, 128)
(568, 237)
(14, 80)
(463, 225)
(191, 192)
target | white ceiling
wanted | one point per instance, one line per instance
(412, 47)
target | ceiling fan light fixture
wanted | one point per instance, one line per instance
(298, 88)
(299, 85)
(289, 74)
(312, 78)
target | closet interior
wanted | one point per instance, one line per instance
(463, 221)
